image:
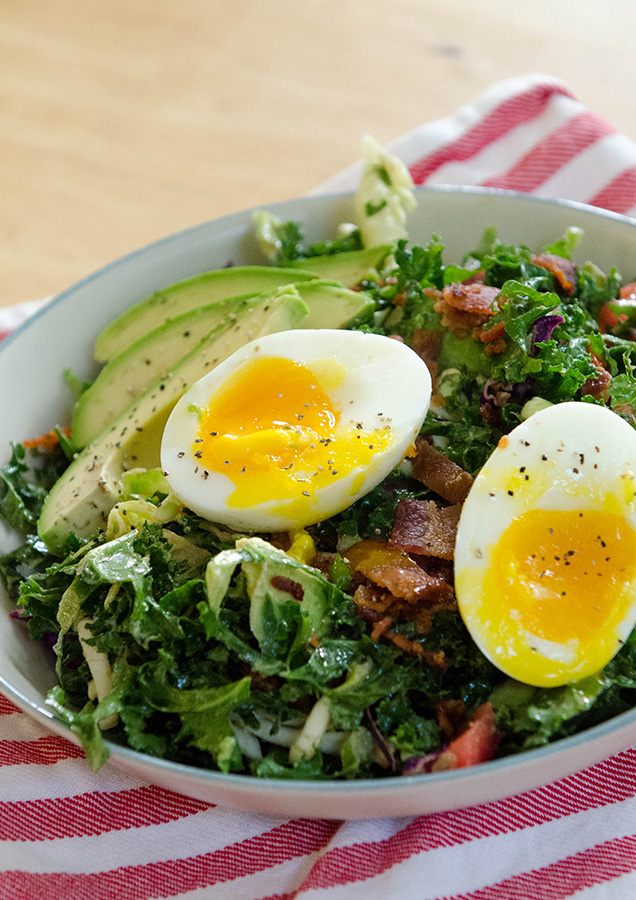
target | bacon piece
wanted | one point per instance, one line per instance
(599, 385)
(395, 572)
(427, 344)
(423, 527)
(563, 270)
(477, 278)
(473, 298)
(491, 334)
(379, 628)
(408, 583)
(322, 561)
(372, 603)
(435, 658)
(496, 347)
(439, 473)
(450, 715)
(281, 583)
(466, 306)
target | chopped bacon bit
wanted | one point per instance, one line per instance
(281, 583)
(399, 299)
(490, 414)
(322, 561)
(496, 347)
(493, 333)
(423, 527)
(563, 270)
(376, 603)
(280, 540)
(409, 584)
(263, 683)
(440, 474)
(599, 385)
(47, 441)
(451, 716)
(379, 628)
(473, 298)
(394, 571)
(435, 658)
(427, 344)
(313, 640)
(464, 307)
(477, 278)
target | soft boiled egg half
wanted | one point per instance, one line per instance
(294, 427)
(545, 561)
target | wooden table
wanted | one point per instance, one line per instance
(124, 120)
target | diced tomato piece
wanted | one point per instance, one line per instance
(478, 742)
(607, 318)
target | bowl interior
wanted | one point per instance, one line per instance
(35, 399)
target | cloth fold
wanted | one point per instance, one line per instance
(66, 833)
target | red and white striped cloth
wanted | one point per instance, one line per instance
(66, 834)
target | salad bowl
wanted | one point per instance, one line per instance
(34, 399)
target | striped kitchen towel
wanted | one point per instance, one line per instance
(65, 833)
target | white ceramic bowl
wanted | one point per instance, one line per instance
(34, 399)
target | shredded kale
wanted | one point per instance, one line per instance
(227, 653)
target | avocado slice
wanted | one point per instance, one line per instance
(128, 373)
(81, 499)
(210, 287)
(331, 305)
(350, 267)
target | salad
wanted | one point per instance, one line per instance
(335, 650)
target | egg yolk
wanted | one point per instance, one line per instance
(564, 579)
(273, 430)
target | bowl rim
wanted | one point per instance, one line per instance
(299, 787)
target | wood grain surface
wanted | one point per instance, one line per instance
(122, 121)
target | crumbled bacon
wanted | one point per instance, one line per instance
(392, 570)
(380, 627)
(427, 344)
(281, 583)
(495, 347)
(371, 601)
(322, 561)
(408, 583)
(472, 298)
(598, 386)
(451, 717)
(477, 277)
(423, 527)
(563, 270)
(265, 684)
(493, 333)
(280, 539)
(463, 307)
(439, 473)
(434, 658)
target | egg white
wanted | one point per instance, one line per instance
(385, 385)
(571, 456)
